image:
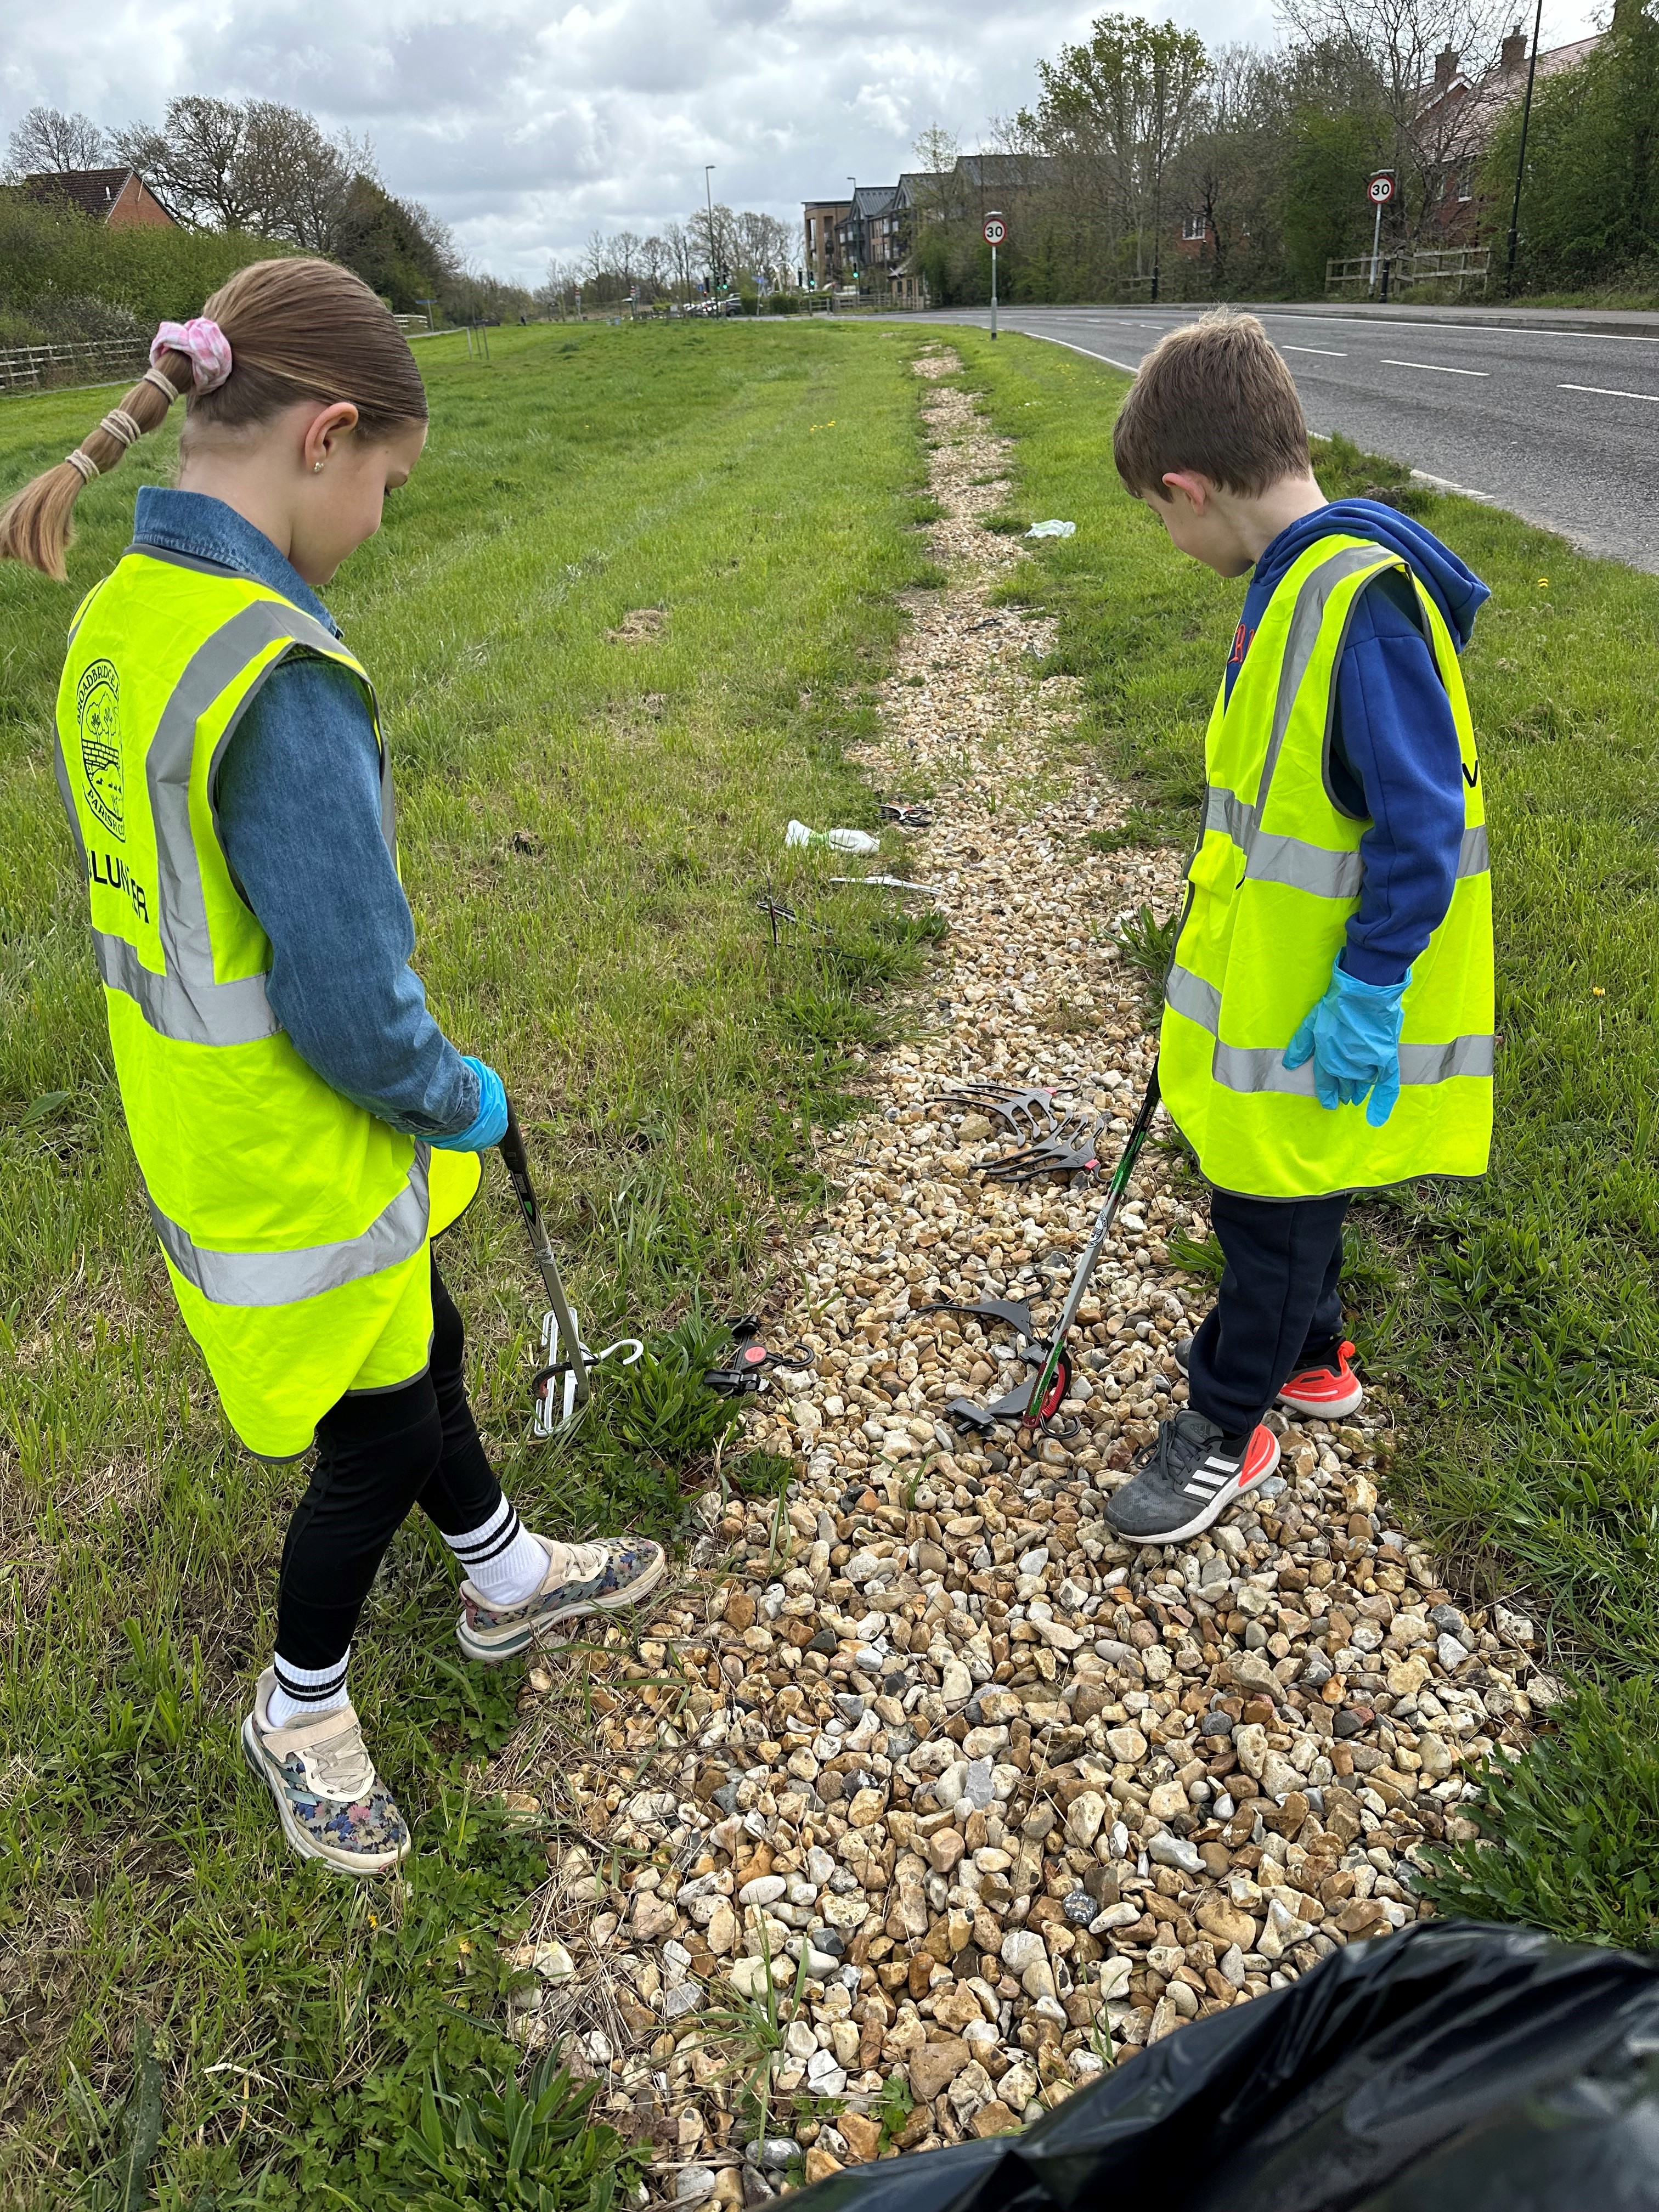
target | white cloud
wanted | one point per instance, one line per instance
(526, 130)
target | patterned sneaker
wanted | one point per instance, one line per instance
(1327, 1389)
(601, 1577)
(333, 1805)
(1187, 1477)
(1324, 1391)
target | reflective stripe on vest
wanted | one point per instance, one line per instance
(1307, 867)
(1277, 872)
(280, 1278)
(188, 1003)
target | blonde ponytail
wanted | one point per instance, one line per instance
(37, 525)
(296, 329)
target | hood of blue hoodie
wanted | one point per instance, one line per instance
(1456, 590)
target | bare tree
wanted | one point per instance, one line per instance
(1428, 59)
(683, 247)
(196, 161)
(46, 140)
(249, 165)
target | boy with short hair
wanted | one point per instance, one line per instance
(1328, 1023)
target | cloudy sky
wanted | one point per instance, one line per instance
(526, 127)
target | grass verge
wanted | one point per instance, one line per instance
(1518, 1318)
(621, 621)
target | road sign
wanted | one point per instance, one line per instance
(995, 230)
(1381, 189)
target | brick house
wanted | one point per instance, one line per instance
(870, 234)
(821, 221)
(118, 197)
(1459, 115)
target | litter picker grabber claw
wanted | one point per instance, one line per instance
(1053, 1378)
(1069, 1149)
(1029, 1113)
(744, 1372)
(1015, 1314)
(561, 1385)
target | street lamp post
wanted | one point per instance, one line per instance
(1521, 158)
(857, 226)
(708, 168)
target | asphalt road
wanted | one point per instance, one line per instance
(1560, 426)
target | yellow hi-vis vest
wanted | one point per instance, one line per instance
(294, 1224)
(1272, 883)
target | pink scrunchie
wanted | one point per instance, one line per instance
(204, 341)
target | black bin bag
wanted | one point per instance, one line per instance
(1453, 2068)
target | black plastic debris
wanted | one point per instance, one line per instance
(1453, 2068)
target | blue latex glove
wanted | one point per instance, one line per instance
(1352, 1038)
(488, 1125)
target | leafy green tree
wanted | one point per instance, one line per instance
(394, 246)
(1116, 111)
(1589, 205)
(1330, 155)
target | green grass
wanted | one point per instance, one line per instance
(585, 825)
(1519, 1319)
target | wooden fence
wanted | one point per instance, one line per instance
(1390, 274)
(100, 361)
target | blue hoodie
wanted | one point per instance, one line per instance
(1395, 756)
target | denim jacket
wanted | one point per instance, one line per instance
(299, 806)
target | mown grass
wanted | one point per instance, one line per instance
(586, 824)
(1519, 1317)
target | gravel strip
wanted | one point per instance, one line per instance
(991, 1798)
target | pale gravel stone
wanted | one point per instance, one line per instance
(912, 1792)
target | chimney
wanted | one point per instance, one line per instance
(1445, 67)
(1515, 49)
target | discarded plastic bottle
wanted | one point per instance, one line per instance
(841, 840)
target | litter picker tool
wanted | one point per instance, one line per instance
(1054, 1375)
(562, 1385)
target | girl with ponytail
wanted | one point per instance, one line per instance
(303, 1127)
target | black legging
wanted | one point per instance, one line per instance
(378, 1453)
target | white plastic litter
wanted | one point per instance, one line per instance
(841, 840)
(889, 884)
(1052, 530)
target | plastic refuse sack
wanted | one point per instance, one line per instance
(1052, 530)
(843, 840)
(1453, 2068)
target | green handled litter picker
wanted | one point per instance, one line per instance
(1053, 1377)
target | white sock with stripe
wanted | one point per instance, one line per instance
(301, 1693)
(501, 1558)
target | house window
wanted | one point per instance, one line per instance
(1466, 181)
(1194, 228)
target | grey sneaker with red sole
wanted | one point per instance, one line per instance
(1187, 1477)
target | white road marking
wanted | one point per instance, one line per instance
(1438, 368)
(1329, 352)
(1445, 483)
(1479, 330)
(1605, 392)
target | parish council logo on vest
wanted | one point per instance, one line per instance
(98, 718)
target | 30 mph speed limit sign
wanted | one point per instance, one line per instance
(1381, 189)
(995, 230)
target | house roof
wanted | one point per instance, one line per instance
(94, 191)
(1473, 109)
(999, 172)
(873, 199)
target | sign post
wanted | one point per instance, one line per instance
(995, 231)
(1380, 190)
